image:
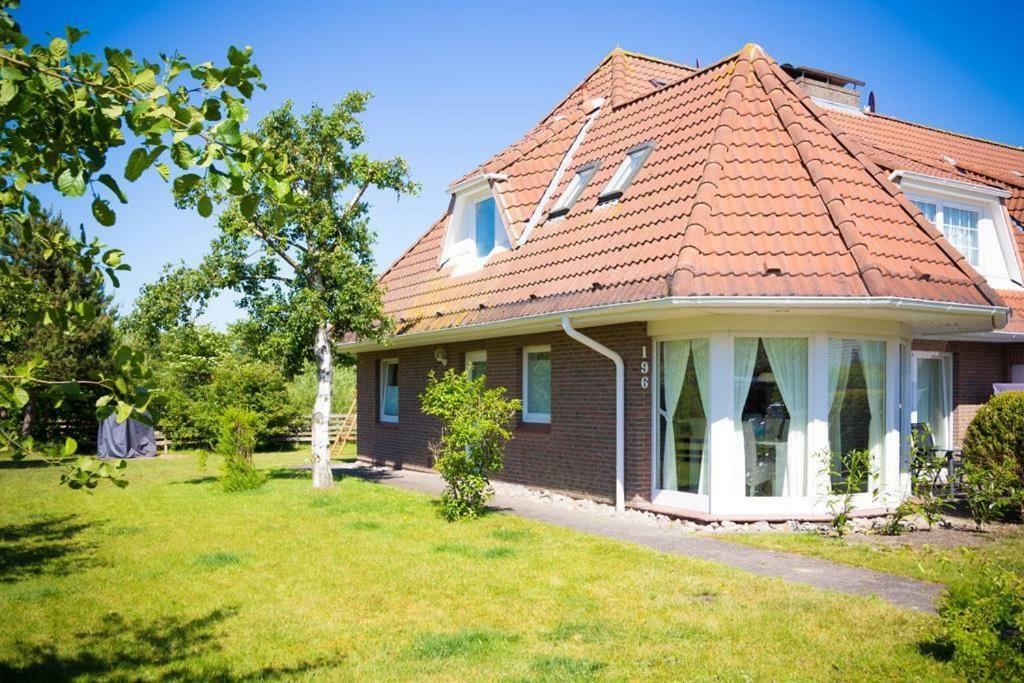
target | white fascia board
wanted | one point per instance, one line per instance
(476, 182)
(925, 181)
(988, 317)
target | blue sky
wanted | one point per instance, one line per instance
(456, 82)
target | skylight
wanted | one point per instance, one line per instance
(576, 186)
(625, 173)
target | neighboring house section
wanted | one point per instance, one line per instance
(747, 256)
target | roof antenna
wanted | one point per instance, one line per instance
(698, 62)
(871, 101)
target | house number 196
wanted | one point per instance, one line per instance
(645, 369)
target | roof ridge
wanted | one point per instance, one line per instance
(880, 177)
(693, 74)
(686, 269)
(869, 271)
(651, 58)
(974, 138)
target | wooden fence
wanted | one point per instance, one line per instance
(301, 436)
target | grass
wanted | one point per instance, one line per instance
(931, 562)
(174, 578)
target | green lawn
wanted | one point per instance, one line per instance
(941, 561)
(172, 578)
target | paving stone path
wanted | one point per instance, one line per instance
(832, 576)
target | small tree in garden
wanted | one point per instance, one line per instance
(236, 442)
(475, 428)
(850, 474)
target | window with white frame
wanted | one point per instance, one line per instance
(575, 188)
(684, 404)
(933, 396)
(958, 224)
(475, 230)
(625, 173)
(389, 390)
(856, 402)
(537, 384)
(770, 404)
(476, 364)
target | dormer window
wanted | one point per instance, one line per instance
(476, 230)
(973, 220)
(959, 225)
(625, 173)
(576, 186)
(485, 216)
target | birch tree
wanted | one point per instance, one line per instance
(299, 251)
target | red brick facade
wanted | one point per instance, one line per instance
(575, 453)
(976, 367)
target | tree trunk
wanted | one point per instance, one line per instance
(322, 478)
(26, 420)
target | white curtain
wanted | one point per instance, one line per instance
(872, 357)
(788, 358)
(675, 356)
(745, 360)
(838, 375)
(702, 368)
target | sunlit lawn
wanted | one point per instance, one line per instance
(172, 578)
(915, 557)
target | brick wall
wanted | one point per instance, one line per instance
(976, 367)
(575, 453)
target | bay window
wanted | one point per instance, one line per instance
(856, 413)
(770, 404)
(685, 392)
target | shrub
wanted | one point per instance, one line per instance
(996, 434)
(474, 432)
(982, 624)
(849, 474)
(236, 441)
(992, 489)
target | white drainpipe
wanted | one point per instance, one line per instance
(620, 408)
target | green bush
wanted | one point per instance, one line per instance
(992, 490)
(236, 442)
(982, 624)
(474, 432)
(996, 434)
(993, 455)
(199, 372)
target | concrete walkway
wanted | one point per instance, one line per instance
(831, 576)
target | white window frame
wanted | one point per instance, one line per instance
(726, 494)
(459, 248)
(577, 186)
(998, 261)
(947, 367)
(537, 418)
(384, 364)
(473, 357)
(623, 176)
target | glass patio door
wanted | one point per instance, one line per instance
(933, 396)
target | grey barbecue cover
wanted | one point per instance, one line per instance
(130, 439)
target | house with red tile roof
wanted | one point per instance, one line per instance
(707, 283)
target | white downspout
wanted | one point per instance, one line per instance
(620, 408)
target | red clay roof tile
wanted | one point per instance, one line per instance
(751, 190)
